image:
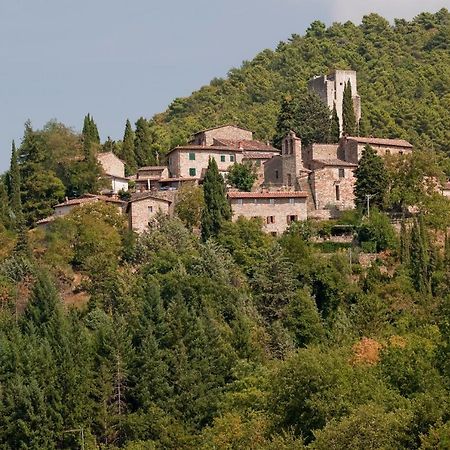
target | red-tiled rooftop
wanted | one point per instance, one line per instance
(287, 194)
(257, 155)
(204, 148)
(380, 141)
(222, 126)
(156, 168)
(88, 198)
(246, 144)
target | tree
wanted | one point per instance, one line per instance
(216, 210)
(371, 179)
(90, 136)
(4, 208)
(242, 176)
(349, 125)
(419, 257)
(15, 201)
(128, 152)
(144, 151)
(189, 205)
(335, 133)
(307, 115)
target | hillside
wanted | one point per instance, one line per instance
(403, 76)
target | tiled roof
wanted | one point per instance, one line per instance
(334, 162)
(246, 144)
(143, 195)
(204, 148)
(286, 194)
(380, 141)
(156, 168)
(46, 220)
(164, 180)
(257, 155)
(88, 198)
(222, 126)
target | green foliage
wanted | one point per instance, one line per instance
(377, 230)
(145, 152)
(127, 152)
(242, 176)
(371, 180)
(216, 210)
(335, 132)
(189, 205)
(349, 125)
(307, 116)
(14, 188)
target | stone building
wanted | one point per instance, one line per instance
(143, 207)
(227, 145)
(277, 210)
(352, 147)
(114, 172)
(330, 88)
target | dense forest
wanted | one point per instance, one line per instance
(203, 333)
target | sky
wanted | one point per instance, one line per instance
(62, 59)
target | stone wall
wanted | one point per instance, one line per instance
(322, 151)
(273, 172)
(227, 132)
(327, 185)
(143, 211)
(274, 215)
(111, 164)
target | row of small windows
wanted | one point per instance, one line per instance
(264, 201)
(271, 219)
(223, 158)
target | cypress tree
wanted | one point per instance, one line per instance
(15, 201)
(349, 125)
(405, 244)
(128, 152)
(335, 133)
(419, 260)
(143, 144)
(216, 210)
(285, 120)
(4, 209)
(371, 179)
(90, 137)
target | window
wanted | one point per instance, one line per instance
(341, 172)
(192, 172)
(338, 193)
(191, 156)
(239, 201)
(222, 158)
(270, 219)
(272, 201)
(291, 218)
(292, 201)
(150, 211)
(276, 174)
(232, 158)
(388, 152)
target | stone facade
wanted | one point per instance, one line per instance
(330, 88)
(142, 208)
(192, 161)
(332, 184)
(114, 169)
(352, 147)
(232, 132)
(276, 209)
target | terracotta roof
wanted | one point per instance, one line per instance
(257, 155)
(380, 141)
(246, 144)
(222, 126)
(87, 199)
(143, 195)
(287, 194)
(164, 180)
(152, 168)
(204, 148)
(334, 162)
(46, 220)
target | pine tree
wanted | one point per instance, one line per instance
(335, 133)
(349, 125)
(15, 201)
(216, 210)
(128, 153)
(371, 179)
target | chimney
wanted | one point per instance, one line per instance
(240, 147)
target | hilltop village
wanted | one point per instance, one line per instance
(295, 183)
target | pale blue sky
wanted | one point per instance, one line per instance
(117, 60)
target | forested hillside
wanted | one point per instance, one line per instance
(403, 76)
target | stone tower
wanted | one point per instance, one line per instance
(330, 89)
(291, 159)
